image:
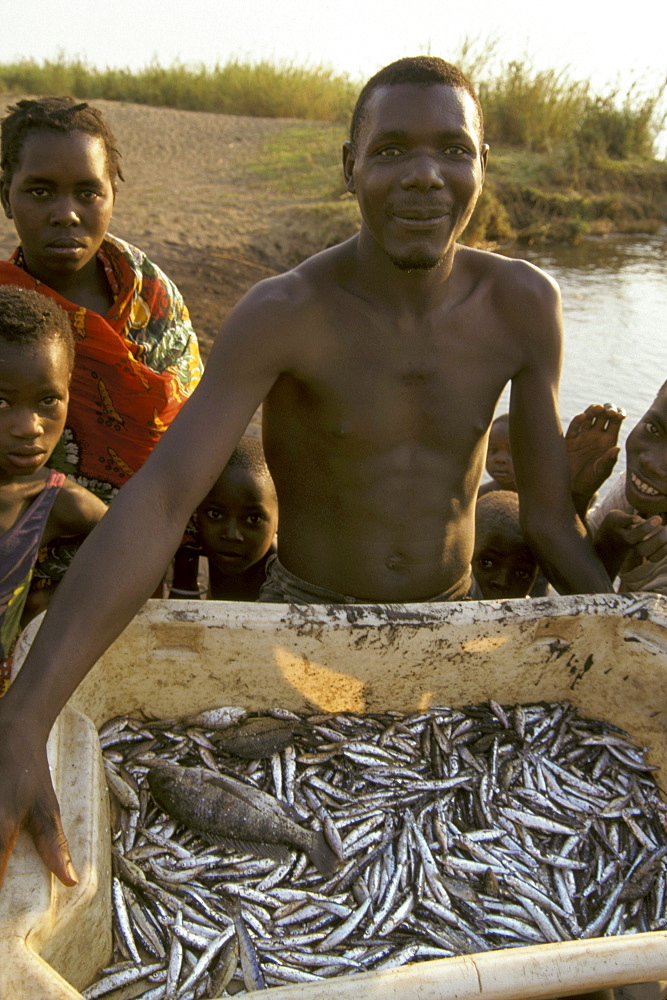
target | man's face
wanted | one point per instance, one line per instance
(417, 170)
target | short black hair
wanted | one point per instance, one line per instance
(55, 114)
(498, 510)
(26, 317)
(425, 71)
(249, 454)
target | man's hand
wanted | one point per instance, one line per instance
(591, 442)
(27, 799)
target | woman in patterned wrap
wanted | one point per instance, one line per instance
(137, 358)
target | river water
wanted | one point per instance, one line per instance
(614, 293)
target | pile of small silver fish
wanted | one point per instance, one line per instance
(451, 832)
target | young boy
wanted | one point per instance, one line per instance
(503, 564)
(237, 522)
(37, 504)
(499, 457)
(628, 525)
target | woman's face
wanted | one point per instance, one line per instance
(60, 198)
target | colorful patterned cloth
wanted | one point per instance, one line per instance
(135, 367)
(18, 552)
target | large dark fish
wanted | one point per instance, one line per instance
(256, 738)
(234, 814)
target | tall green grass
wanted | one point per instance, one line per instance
(538, 110)
(262, 89)
(544, 110)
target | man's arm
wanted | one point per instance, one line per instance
(120, 563)
(548, 517)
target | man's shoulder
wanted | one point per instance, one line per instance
(506, 273)
(301, 288)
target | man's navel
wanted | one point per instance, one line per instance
(416, 378)
(396, 562)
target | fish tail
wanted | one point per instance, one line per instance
(322, 856)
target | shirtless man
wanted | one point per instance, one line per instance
(381, 361)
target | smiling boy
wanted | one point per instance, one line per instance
(629, 524)
(380, 361)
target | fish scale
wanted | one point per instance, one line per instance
(536, 789)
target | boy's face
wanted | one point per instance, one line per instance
(417, 170)
(646, 459)
(238, 520)
(498, 456)
(503, 567)
(34, 393)
(60, 199)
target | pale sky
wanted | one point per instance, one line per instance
(595, 40)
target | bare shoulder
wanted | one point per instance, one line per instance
(278, 319)
(510, 276)
(76, 510)
(301, 288)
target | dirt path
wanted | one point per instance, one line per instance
(189, 204)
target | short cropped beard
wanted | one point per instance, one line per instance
(416, 262)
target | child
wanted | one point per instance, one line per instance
(237, 525)
(499, 458)
(36, 504)
(591, 451)
(503, 565)
(628, 525)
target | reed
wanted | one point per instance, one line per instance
(262, 89)
(544, 110)
(566, 161)
(539, 110)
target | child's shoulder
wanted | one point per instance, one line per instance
(75, 511)
(18, 494)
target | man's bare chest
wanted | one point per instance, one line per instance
(444, 380)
